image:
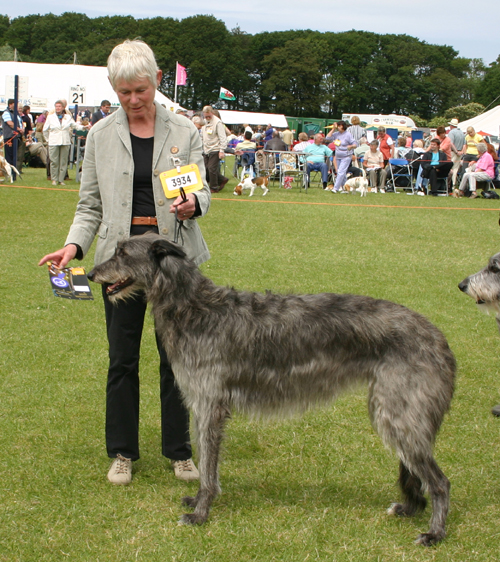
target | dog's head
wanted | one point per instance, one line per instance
(484, 286)
(238, 189)
(135, 265)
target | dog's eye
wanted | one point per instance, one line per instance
(494, 268)
(120, 252)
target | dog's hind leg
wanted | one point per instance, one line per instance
(424, 473)
(210, 424)
(411, 488)
(439, 491)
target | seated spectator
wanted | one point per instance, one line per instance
(414, 156)
(373, 162)
(435, 163)
(303, 142)
(482, 170)
(37, 149)
(401, 149)
(275, 144)
(362, 148)
(247, 144)
(317, 158)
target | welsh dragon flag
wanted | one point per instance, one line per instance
(226, 94)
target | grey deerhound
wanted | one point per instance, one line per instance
(484, 288)
(274, 354)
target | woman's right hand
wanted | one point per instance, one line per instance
(60, 258)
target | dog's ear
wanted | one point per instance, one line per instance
(163, 248)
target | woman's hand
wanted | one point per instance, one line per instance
(60, 258)
(185, 209)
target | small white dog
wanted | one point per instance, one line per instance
(6, 169)
(251, 184)
(357, 184)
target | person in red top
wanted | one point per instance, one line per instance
(386, 144)
(446, 145)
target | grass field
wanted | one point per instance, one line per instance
(314, 488)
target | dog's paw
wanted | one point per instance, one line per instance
(401, 510)
(192, 519)
(429, 539)
(189, 501)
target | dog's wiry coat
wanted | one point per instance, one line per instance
(268, 353)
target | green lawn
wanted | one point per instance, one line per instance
(314, 488)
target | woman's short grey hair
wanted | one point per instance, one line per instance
(198, 119)
(130, 61)
(481, 147)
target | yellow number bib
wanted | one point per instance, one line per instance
(188, 177)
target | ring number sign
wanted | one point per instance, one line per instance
(77, 95)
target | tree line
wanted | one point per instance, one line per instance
(301, 73)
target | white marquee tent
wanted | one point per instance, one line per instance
(42, 84)
(239, 117)
(487, 122)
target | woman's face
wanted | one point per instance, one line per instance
(340, 127)
(137, 96)
(59, 108)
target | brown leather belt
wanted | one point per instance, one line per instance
(148, 221)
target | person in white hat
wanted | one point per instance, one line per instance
(458, 139)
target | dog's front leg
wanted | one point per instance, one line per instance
(210, 423)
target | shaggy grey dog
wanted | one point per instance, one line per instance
(273, 354)
(484, 288)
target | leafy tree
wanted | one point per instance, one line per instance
(488, 90)
(19, 35)
(463, 112)
(293, 83)
(4, 26)
(6, 53)
(203, 46)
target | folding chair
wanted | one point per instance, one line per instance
(269, 164)
(290, 165)
(492, 183)
(400, 175)
(247, 162)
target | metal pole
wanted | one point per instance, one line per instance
(16, 124)
(175, 93)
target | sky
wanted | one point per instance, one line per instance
(471, 28)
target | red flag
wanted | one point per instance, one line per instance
(181, 75)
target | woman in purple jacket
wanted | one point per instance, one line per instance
(345, 145)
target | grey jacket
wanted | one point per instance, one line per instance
(105, 206)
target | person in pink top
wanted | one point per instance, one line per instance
(482, 170)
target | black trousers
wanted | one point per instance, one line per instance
(124, 323)
(433, 173)
(212, 165)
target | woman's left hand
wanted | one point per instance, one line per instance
(185, 209)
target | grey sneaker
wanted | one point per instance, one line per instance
(120, 471)
(496, 411)
(185, 470)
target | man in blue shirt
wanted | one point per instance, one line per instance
(318, 155)
(12, 132)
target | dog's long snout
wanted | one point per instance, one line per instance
(463, 285)
(91, 274)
